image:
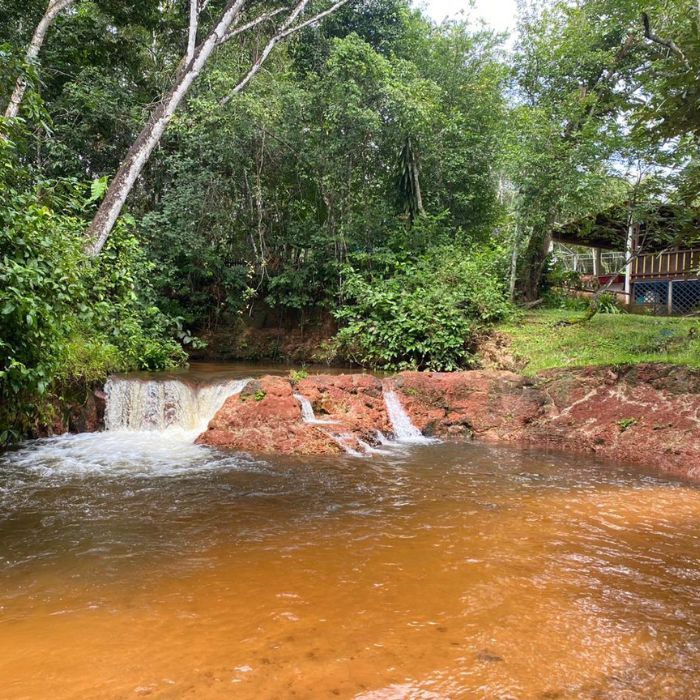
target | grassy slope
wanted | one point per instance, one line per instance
(607, 339)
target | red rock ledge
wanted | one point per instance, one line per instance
(646, 414)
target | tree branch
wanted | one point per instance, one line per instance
(192, 32)
(52, 11)
(249, 25)
(284, 31)
(314, 19)
(667, 43)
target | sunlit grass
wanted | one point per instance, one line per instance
(606, 339)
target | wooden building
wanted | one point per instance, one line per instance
(656, 259)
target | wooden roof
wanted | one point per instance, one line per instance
(661, 227)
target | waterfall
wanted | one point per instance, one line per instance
(307, 412)
(404, 430)
(155, 405)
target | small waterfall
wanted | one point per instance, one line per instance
(404, 430)
(153, 405)
(307, 412)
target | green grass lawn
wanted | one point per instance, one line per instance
(607, 339)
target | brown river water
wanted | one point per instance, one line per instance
(137, 565)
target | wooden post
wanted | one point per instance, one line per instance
(597, 262)
(628, 263)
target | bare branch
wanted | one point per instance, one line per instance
(53, 9)
(298, 9)
(288, 27)
(192, 33)
(249, 25)
(667, 43)
(314, 19)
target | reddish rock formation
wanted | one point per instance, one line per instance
(489, 405)
(266, 418)
(355, 401)
(649, 414)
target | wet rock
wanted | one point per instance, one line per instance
(354, 401)
(88, 417)
(648, 414)
(266, 418)
(485, 404)
(489, 656)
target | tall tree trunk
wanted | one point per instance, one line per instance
(538, 250)
(514, 264)
(52, 11)
(192, 32)
(140, 151)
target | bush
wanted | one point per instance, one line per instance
(607, 303)
(64, 318)
(422, 315)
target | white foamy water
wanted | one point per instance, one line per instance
(307, 412)
(155, 405)
(150, 429)
(404, 430)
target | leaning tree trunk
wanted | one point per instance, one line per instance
(54, 7)
(140, 151)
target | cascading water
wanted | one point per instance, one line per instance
(161, 405)
(307, 412)
(404, 430)
(150, 430)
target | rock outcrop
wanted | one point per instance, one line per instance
(647, 414)
(266, 418)
(488, 405)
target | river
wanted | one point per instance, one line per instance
(134, 563)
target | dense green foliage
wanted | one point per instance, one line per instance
(64, 319)
(425, 313)
(268, 198)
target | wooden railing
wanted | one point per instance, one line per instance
(676, 264)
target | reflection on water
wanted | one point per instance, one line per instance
(216, 371)
(132, 567)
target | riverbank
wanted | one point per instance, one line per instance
(646, 414)
(541, 340)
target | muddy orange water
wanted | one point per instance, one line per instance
(437, 571)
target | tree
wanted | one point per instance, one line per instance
(601, 84)
(224, 30)
(37, 40)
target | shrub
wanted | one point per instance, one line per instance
(64, 318)
(607, 303)
(422, 315)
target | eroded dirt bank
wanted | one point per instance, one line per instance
(647, 414)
